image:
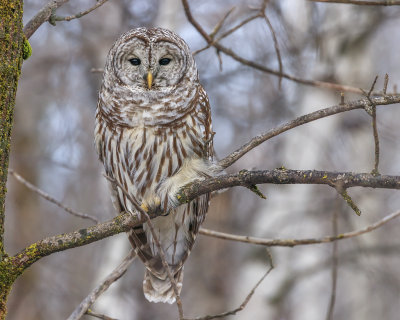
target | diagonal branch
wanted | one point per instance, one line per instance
(117, 273)
(358, 104)
(246, 299)
(42, 16)
(260, 67)
(49, 198)
(122, 223)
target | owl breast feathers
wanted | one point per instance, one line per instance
(153, 134)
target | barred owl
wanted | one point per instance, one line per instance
(153, 134)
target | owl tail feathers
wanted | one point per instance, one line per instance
(159, 290)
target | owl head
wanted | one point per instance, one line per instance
(150, 60)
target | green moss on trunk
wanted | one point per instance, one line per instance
(11, 45)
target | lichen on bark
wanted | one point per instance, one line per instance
(11, 45)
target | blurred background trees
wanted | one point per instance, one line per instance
(52, 147)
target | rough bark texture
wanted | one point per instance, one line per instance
(11, 49)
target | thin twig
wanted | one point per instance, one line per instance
(331, 306)
(230, 31)
(117, 273)
(49, 198)
(42, 16)
(298, 242)
(221, 23)
(276, 46)
(385, 84)
(371, 110)
(99, 316)
(343, 192)
(375, 171)
(245, 301)
(362, 3)
(80, 14)
(252, 64)
(156, 241)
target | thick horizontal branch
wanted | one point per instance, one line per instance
(125, 221)
(47, 246)
(358, 104)
(244, 178)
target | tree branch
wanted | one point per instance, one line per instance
(362, 3)
(49, 198)
(297, 242)
(47, 13)
(117, 273)
(260, 67)
(246, 178)
(80, 14)
(358, 104)
(42, 16)
(246, 299)
(122, 223)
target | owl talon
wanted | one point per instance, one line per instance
(144, 207)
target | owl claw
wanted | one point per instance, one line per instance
(152, 206)
(144, 207)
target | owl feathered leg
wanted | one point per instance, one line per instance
(161, 290)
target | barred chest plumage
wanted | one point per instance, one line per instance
(140, 158)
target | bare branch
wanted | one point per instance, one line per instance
(252, 64)
(362, 3)
(278, 53)
(246, 299)
(298, 242)
(49, 198)
(42, 16)
(332, 300)
(349, 200)
(80, 14)
(117, 273)
(47, 13)
(230, 31)
(358, 104)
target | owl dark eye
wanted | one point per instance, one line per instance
(135, 61)
(164, 61)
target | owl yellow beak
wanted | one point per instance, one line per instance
(149, 79)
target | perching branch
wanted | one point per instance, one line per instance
(122, 223)
(245, 178)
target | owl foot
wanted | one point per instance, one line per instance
(153, 206)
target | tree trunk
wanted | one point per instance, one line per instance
(11, 49)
